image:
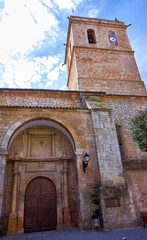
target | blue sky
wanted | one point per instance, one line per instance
(32, 34)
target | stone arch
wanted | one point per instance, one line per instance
(60, 124)
(39, 175)
(29, 179)
(91, 36)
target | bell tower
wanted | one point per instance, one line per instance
(99, 58)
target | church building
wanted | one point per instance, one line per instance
(65, 155)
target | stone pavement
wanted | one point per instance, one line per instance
(130, 234)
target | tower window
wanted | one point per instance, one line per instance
(91, 36)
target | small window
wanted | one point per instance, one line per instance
(91, 36)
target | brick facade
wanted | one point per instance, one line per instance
(46, 133)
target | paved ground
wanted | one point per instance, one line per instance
(130, 234)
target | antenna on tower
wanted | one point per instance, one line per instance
(73, 11)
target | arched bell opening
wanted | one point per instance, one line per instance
(91, 36)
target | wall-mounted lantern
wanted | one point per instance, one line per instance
(85, 161)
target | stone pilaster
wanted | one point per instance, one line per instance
(20, 213)
(60, 223)
(66, 213)
(109, 158)
(3, 160)
(12, 224)
(114, 194)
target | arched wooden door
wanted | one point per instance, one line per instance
(40, 212)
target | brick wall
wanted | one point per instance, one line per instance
(111, 86)
(125, 108)
(136, 181)
(39, 98)
(94, 63)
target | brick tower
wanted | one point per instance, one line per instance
(99, 62)
(99, 58)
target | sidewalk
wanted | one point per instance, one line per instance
(130, 234)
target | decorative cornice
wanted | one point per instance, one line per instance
(97, 21)
(135, 164)
(110, 50)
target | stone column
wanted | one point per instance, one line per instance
(20, 213)
(60, 219)
(67, 216)
(12, 224)
(59, 194)
(3, 160)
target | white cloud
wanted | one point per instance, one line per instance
(25, 25)
(45, 64)
(93, 13)
(42, 17)
(54, 74)
(67, 4)
(21, 73)
(8, 76)
(22, 27)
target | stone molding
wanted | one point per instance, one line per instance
(135, 164)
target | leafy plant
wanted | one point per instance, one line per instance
(139, 130)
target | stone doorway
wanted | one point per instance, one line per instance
(47, 153)
(40, 210)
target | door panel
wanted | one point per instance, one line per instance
(48, 213)
(32, 212)
(40, 206)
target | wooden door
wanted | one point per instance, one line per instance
(40, 206)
